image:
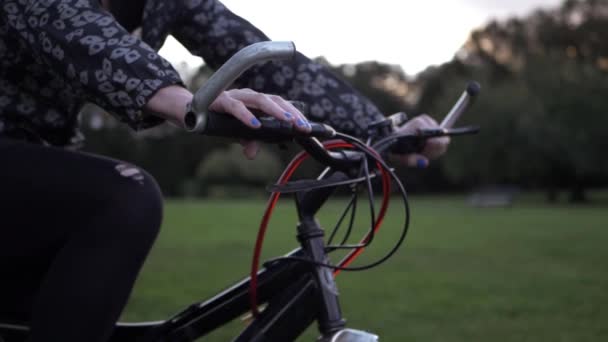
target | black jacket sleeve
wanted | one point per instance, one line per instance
(80, 40)
(208, 29)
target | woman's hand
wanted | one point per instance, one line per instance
(434, 148)
(171, 102)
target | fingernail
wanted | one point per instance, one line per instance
(301, 122)
(421, 163)
(288, 115)
(255, 122)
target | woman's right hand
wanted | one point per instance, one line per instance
(433, 148)
(171, 102)
(237, 101)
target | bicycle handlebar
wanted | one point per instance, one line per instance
(199, 119)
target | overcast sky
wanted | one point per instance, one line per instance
(411, 33)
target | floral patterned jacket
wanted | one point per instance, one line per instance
(56, 55)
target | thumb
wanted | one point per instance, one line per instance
(416, 160)
(250, 149)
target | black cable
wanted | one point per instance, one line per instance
(403, 194)
(364, 170)
(353, 199)
(342, 245)
(372, 209)
(351, 221)
(406, 224)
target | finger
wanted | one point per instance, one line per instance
(250, 149)
(298, 118)
(436, 147)
(412, 160)
(428, 121)
(262, 102)
(412, 126)
(286, 105)
(274, 106)
(227, 104)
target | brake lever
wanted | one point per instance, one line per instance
(441, 132)
(415, 143)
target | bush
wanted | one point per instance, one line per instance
(227, 173)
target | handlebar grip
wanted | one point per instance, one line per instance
(225, 125)
(408, 144)
(271, 130)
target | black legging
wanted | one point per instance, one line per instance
(75, 229)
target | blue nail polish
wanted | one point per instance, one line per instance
(421, 163)
(288, 115)
(255, 122)
(301, 122)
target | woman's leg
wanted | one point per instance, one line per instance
(76, 229)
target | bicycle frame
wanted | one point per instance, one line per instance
(297, 294)
(286, 278)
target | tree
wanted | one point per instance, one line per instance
(544, 77)
(226, 172)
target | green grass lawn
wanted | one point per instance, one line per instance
(532, 272)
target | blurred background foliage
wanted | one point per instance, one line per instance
(543, 112)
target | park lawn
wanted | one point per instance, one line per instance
(532, 272)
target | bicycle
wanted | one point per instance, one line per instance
(299, 288)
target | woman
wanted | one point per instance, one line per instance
(77, 227)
